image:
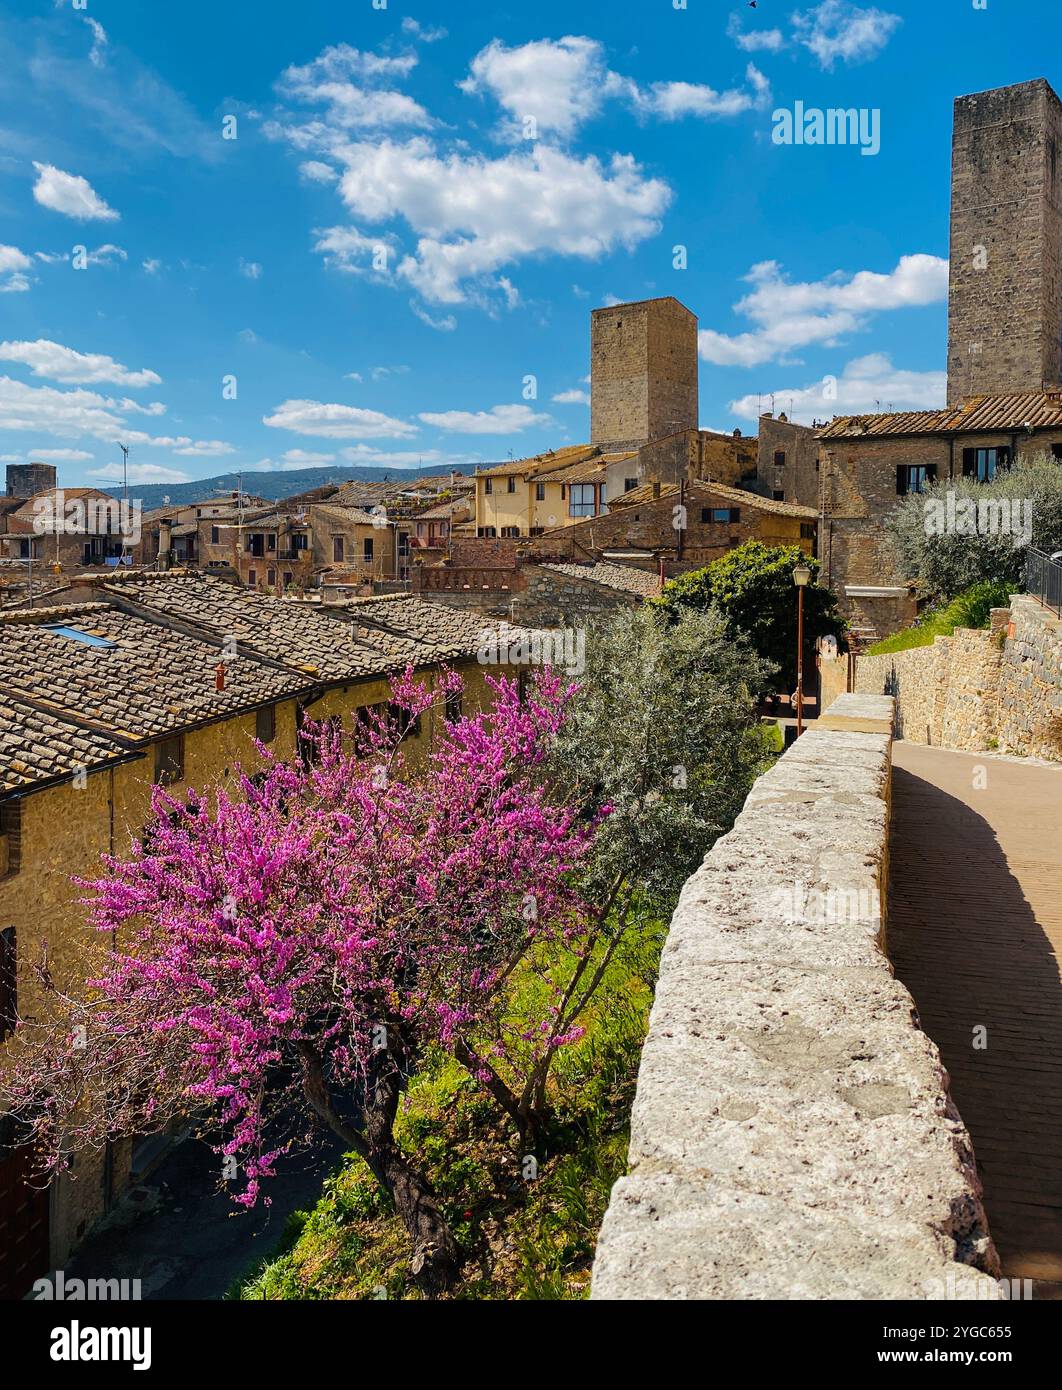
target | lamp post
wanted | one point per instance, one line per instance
(801, 578)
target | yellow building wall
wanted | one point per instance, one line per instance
(64, 831)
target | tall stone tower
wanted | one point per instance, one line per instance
(643, 372)
(27, 479)
(1005, 293)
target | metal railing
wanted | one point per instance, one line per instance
(1043, 578)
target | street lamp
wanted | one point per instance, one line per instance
(801, 578)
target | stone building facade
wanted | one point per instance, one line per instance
(1005, 293)
(643, 372)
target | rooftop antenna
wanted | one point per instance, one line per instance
(125, 499)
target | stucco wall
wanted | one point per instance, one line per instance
(792, 1134)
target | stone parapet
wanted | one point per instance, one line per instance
(792, 1133)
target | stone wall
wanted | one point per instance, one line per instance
(792, 1134)
(1030, 687)
(979, 690)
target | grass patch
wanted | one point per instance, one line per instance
(971, 608)
(527, 1235)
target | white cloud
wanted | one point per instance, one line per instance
(867, 384)
(63, 455)
(97, 54)
(561, 84)
(838, 30)
(446, 324)
(418, 31)
(500, 419)
(69, 414)
(200, 448)
(48, 359)
(315, 171)
(251, 269)
(13, 264)
(151, 267)
(755, 40)
(791, 316)
(409, 458)
(378, 373)
(671, 101)
(344, 80)
(572, 397)
(301, 458)
(107, 254)
(70, 194)
(332, 421)
(140, 473)
(475, 215)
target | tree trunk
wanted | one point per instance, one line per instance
(436, 1257)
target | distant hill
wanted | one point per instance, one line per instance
(268, 485)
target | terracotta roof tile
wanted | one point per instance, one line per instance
(976, 415)
(36, 747)
(624, 577)
(125, 676)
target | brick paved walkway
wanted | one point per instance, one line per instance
(975, 932)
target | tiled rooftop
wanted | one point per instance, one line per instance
(976, 415)
(625, 577)
(36, 747)
(703, 492)
(132, 678)
(299, 635)
(446, 632)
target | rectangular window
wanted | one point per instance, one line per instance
(271, 576)
(169, 760)
(779, 458)
(510, 484)
(778, 494)
(984, 464)
(271, 541)
(1056, 451)
(10, 837)
(299, 540)
(367, 546)
(629, 484)
(581, 499)
(486, 533)
(453, 705)
(807, 530)
(252, 578)
(488, 486)
(408, 725)
(265, 724)
(913, 477)
(215, 535)
(601, 497)
(510, 531)
(540, 492)
(337, 548)
(714, 516)
(8, 982)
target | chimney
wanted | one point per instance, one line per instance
(165, 543)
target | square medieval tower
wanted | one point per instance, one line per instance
(1005, 292)
(643, 372)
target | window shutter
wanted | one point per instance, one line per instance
(901, 479)
(1003, 457)
(735, 513)
(969, 463)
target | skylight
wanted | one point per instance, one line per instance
(75, 635)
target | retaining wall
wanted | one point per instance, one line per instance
(792, 1134)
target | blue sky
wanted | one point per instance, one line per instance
(423, 203)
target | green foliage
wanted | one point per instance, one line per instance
(752, 587)
(527, 1239)
(949, 562)
(663, 731)
(972, 608)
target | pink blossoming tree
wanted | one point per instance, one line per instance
(294, 948)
